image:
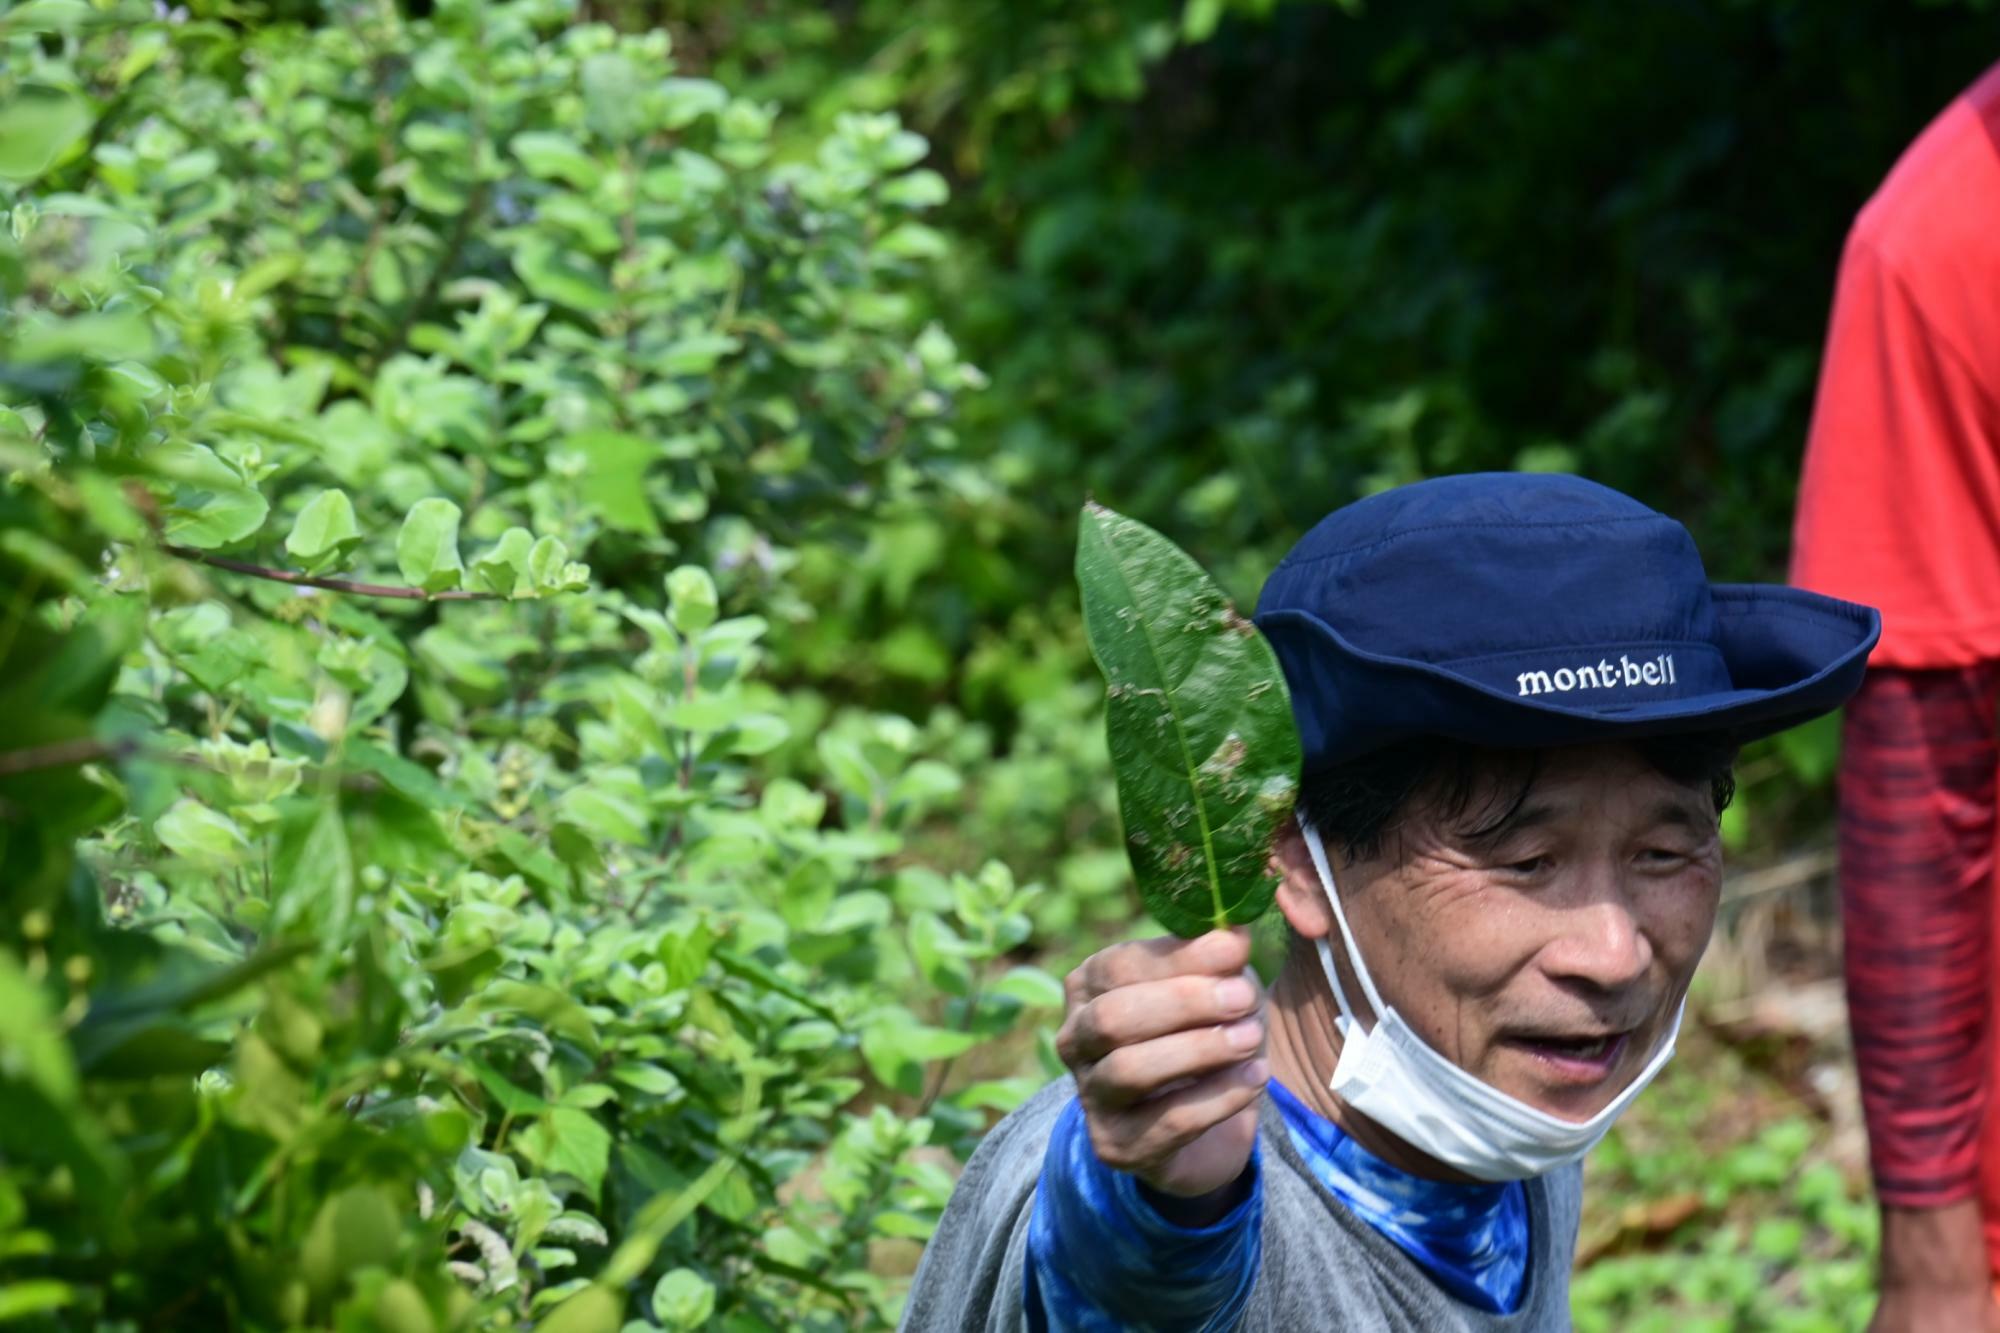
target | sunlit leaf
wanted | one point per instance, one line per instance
(427, 546)
(325, 533)
(1199, 723)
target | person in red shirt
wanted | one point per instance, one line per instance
(1899, 508)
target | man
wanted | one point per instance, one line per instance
(1518, 699)
(1899, 506)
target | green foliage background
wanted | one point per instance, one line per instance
(586, 909)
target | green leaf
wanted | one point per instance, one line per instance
(572, 1143)
(427, 547)
(595, 1309)
(1199, 19)
(548, 562)
(913, 240)
(691, 599)
(204, 837)
(648, 1078)
(683, 101)
(109, 335)
(47, 16)
(503, 569)
(554, 156)
(922, 188)
(897, 1048)
(844, 762)
(208, 519)
(37, 127)
(556, 272)
(939, 954)
(355, 1229)
(267, 273)
(613, 97)
(32, 1048)
(33, 1296)
(614, 481)
(319, 892)
(606, 814)
(324, 534)
(1199, 724)
(683, 1299)
(1031, 986)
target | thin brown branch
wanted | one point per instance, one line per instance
(331, 585)
(61, 754)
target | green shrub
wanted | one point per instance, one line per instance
(422, 905)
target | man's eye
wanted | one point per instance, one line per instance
(1662, 856)
(1530, 866)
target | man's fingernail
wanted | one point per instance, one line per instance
(1234, 994)
(1255, 1072)
(1244, 1035)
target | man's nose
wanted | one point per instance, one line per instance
(1601, 945)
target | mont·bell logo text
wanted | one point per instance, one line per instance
(1601, 675)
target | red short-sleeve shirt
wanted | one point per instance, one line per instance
(1899, 503)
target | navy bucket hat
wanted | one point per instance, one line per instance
(1518, 609)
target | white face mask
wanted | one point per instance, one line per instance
(1393, 1077)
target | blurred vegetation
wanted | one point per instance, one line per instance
(580, 906)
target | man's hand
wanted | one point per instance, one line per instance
(1934, 1272)
(1164, 1036)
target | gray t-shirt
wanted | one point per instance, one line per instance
(1322, 1268)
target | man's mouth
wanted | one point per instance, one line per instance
(1578, 1060)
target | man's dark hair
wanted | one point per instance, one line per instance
(1356, 804)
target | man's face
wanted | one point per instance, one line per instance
(1548, 960)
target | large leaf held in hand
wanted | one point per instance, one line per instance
(1200, 725)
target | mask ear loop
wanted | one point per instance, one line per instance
(1318, 851)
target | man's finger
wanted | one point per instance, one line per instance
(1151, 1070)
(1141, 1138)
(1221, 953)
(1149, 1009)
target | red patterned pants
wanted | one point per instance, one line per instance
(1917, 865)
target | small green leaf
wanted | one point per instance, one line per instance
(208, 519)
(427, 547)
(844, 762)
(205, 837)
(613, 97)
(683, 101)
(595, 1309)
(922, 188)
(570, 1142)
(683, 1299)
(34, 1296)
(503, 569)
(547, 562)
(1199, 722)
(1031, 986)
(647, 1078)
(1199, 19)
(37, 127)
(555, 272)
(897, 1048)
(324, 534)
(691, 599)
(355, 1229)
(108, 335)
(552, 156)
(615, 479)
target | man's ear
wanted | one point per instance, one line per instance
(1300, 896)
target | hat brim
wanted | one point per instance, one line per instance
(1792, 655)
